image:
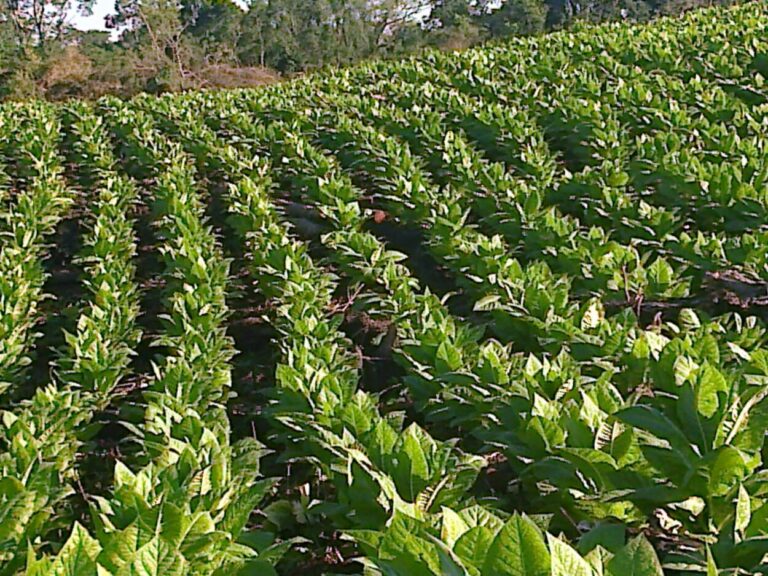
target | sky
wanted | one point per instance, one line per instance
(96, 21)
(100, 9)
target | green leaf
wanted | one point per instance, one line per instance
(120, 549)
(651, 420)
(368, 541)
(450, 357)
(660, 275)
(518, 550)
(381, 442)
(450, 563)
(487, 303)
(684, 368)
(35, 566)
(155, 559)
(638, 558)
(593, 315)
(403, 543)
(688, 319)
(412, 472)
(532, 202)
(123, 475)
(175, 524)
(618, 179)
(78, 555)
(598, 558)
(709, 383)
(274, 553)
(565, 560)
(453, 526)
(473, 546)
(708, 349)
(610, 536)
(479, 516)
(727, 469)
(253, 567)
(743, 510)
(711, 566)
(17, 508)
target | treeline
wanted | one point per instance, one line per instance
(164, 45)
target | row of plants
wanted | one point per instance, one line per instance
(303, 166)
(38, 436)
(362, 259)
(303, 150)
(183, 504)
(42, 436)
(29, 220)
(493, 397)
(334, 120)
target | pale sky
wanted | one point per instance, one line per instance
(103, 7)
(96, 21)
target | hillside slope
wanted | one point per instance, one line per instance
(499, 312)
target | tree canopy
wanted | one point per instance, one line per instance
(161, 45)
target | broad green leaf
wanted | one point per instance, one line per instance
(155, 559)
(253, 567)
(597, 559)
(637, 558)
(450, 563)
(684, 369)
(709, 383)
(16, 510)
(593, 315)
(403, 542)
(472, 547)
(369, 541)
(518, 550)
(708, 349)
(123, 475)
(651, 420)
(452, 527)
(78, 555)
(565, 560)
(727, 468)
(487, 303)
(743, 510)
(121, 548)
(688, 319)
(711, 566)
(412, 472)
(480, 516)
(609, 536)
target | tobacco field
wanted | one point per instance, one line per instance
(499, 312)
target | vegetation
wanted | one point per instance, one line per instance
(170, 45)
(494, 312)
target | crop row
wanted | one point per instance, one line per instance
(515, 301)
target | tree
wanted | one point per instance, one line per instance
(291, 35)
(215, 24)
(561, 12)
(153, 40)
(30, 31)
(458, 23)
(454, 24)
(515, 17)
(34, 24)
(294, 35)
(396, 20)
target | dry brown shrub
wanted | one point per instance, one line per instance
(227, 76)
(66, 74)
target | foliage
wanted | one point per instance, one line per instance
(497, 312)
(168, 45)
